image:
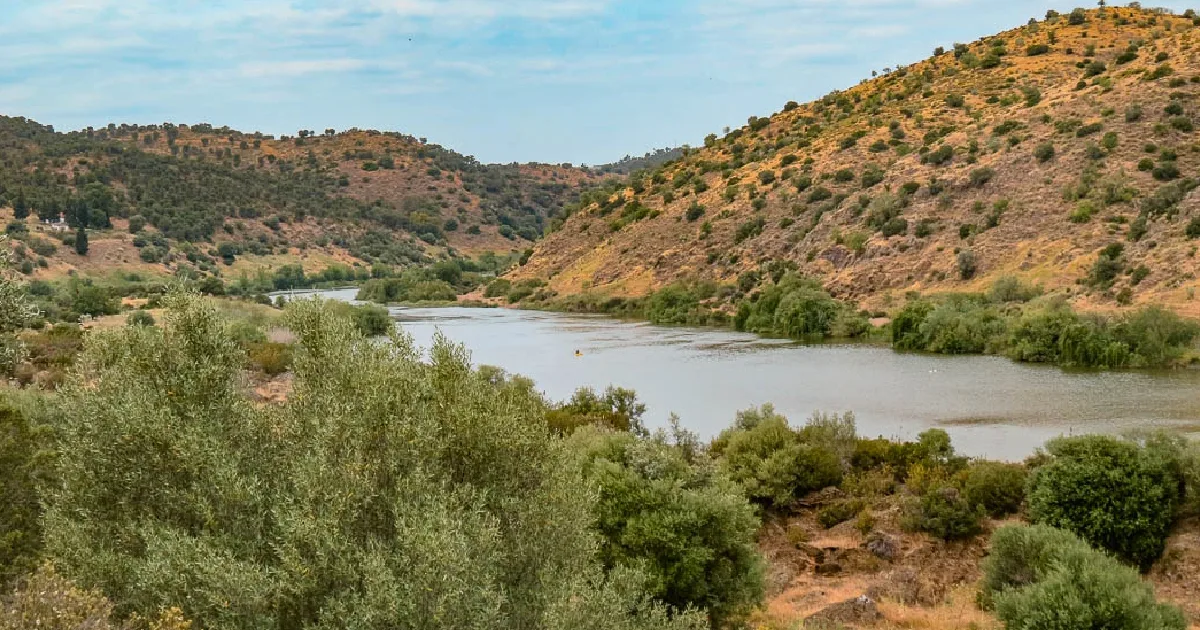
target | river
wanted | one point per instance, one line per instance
(991, 406)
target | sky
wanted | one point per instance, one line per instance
(580, 81)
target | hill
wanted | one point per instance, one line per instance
(198, 194)
(1062, 152)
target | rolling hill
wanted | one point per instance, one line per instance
(156, 196)
(1063, 152)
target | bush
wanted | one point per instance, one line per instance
(1037, 49)
(981, 176)
(997, 487)
(26, 462)
(1045, 577)
(967, 264)
(1012, 289)
(839, 512)
(1044, 152)
(1193, 228)
(371, 320)
(943, 512)
(498, 288)
(682, 303)
(893, 227)
(271, 358)
(669, 513)
(794, 307)
(466, 514)
(48, 601)
(769, 460)
(617, 409)
(694, 211)
(139, 318)
(1110, 493)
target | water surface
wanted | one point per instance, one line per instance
(991, 406)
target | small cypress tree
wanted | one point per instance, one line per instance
(81, 241)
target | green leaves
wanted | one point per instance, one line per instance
(387, 492)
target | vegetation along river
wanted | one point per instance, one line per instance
(991, 406)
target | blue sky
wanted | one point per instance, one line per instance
(582, 81)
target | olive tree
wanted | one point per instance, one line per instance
(15, 312)
(388, 492)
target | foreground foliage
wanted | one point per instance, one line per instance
(666, 508)
(1042, 577)
(387, 493)
(1112, 493)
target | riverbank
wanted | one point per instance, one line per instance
(1011, 319)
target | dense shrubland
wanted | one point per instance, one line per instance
(404, 493)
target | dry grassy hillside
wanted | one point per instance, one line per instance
(400, 170)
(1023, 154)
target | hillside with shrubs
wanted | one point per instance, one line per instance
(391, 486)
(158, 198)
(1061, 153)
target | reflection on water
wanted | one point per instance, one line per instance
(990, 405)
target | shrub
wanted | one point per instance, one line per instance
(794, 307)
(1133, 113)
(694, 212)
(667, 512)
(1193, 228)
(967, 265)
(839, 512)
(1110, 493)
(763, 454)
(681, 303)
(48, 601)
(498, 288)
(1037, 49)
(139, 318)
(271, 358)
(1044, 151)
(871, 176)
(940, 155)
(425, 522)
(943, 512)
(981, 176)
(893, 227)
(955, 100)
(749, 229)
(1045, 577)
(997, 487)
(1012, 289)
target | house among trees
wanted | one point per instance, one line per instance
(59, 225)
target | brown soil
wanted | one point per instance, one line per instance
(927, 584)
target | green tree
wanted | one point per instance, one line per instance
(771, 461)
(25, 460)
(15, 312)
(386, 493)
(81, 241)
(669, 510)
(1112, 493)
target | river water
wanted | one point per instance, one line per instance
(991, 406)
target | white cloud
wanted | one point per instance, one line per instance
(880, 31)
(259, 69)
(488, 10)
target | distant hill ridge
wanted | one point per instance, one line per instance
(358, 196)
(1063, 151)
